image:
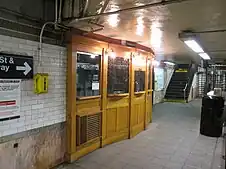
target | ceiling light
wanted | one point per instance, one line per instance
(113, 55)
(149, 62)
(139, 61)
(140, 26)
(156, 36)
(194, 46)
(155, 63)
(205, 56)
(169, 63)
(113, 20)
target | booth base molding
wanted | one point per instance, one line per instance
(114, 139)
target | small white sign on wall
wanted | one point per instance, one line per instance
(95, 86)
(9, 98)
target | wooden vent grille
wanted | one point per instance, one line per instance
(88, 128)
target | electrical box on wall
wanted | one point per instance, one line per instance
(41, 83)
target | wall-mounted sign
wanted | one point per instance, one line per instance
(16, 66)
(9, 99)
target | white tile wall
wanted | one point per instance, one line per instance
(159, 95)
(38, 110)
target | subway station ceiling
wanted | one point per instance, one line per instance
(158, 27)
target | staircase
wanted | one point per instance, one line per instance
(180, 84)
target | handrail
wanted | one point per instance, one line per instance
(185, 91)
(189, 80)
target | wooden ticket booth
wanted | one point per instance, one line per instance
(109, 92)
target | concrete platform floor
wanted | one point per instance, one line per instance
(172, 141)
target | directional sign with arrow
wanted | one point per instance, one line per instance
(16, 66)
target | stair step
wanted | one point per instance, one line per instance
(179, 93)
(175, 97)
(180, 74)
(175, 100)
(179, 78)
(178, 82)
(175, 92)
(175, 89)
(182, 66)
(176, 86)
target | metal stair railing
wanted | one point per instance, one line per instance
(189, 81)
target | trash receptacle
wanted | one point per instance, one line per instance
(211, 116)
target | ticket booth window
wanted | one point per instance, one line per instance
(118, 75)
(139, 81)
(88, 74)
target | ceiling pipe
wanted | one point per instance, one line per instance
(217, 65)
(40, 40)
(161, 3)
(106, 2)
(211, 31)
(85, 8)
(3, 9)
(94, 23)
(56, 11)
(93, 30)
(55, 24)
(216, 51)
(60, 11)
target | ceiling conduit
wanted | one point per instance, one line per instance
(161, 3)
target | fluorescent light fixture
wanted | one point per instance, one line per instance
(194, 46)
(205, 56)
(84, 53)
(90, 54)
(169, 63)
